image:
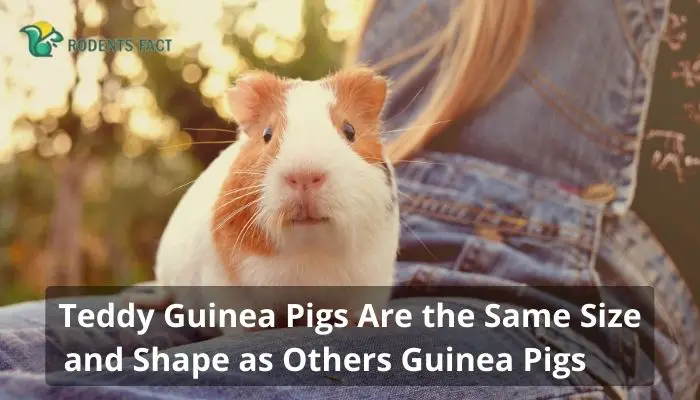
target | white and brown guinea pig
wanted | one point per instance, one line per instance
(305, 197)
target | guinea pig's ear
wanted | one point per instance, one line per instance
(254, 94)
(362, 87)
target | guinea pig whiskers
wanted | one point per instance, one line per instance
(263, 232)
(369, 112)
(210, 129)
(366, 136)
(238, 190)
(403, 194)
(416, 127)
(279, 217)
(409, 161)
(419, 239)
(267, 222)
(248, 225)
(181, 186)
(223, 194)
(244, 172)
(233, 200)
(237, 198)
(419, 162)
(279, 221)
(174, 146)
(407, 105)
(233, 214)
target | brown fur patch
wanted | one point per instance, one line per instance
(361, 94)
(256, 98)
(257, 102)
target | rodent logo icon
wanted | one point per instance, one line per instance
(42, 38)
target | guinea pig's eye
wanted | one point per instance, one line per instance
(267, 134)
(348, 131)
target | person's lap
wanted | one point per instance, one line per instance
(22, 375)
(22, 336)
(469, 260)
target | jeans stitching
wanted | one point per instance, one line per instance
(648, 15)
(630, 40)
(563, 97)
(559, 197)
(622, 251)
(429, 207)
(426, 204)
(461, 208)
(415, 199)
(617, 150)
(678, 332)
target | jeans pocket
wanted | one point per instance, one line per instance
(506, 223)
(525, 260)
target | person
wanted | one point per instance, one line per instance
(515, 128)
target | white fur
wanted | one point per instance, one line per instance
(358, 247)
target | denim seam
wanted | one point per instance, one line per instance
(678, 374)
(648, 15)
(624, 253)
(436, 208)
(654, 41)
(593, 250)
(562, 197)
(644, 81)
(632, 44)
(558, 94)
(646, 59)
(463, 262)
(678, 333)
(579, 261)
(598, 232)
(581, 241)
(616, 150)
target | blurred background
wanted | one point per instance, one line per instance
(96, 148)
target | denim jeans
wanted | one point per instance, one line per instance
(536, 187)
(467, 222)
(503, 199)
(492, 225)
(22, 360)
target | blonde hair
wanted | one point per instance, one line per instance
(478, 51)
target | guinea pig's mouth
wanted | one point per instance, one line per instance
(303, 213)
(309, 221)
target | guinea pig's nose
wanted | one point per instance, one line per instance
(306, 180)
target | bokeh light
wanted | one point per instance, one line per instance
(30, 90)
(40, 90)
(126, 123)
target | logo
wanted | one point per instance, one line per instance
(42, 38)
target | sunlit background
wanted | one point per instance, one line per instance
(96, 148)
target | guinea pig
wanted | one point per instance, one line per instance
(305, 197)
